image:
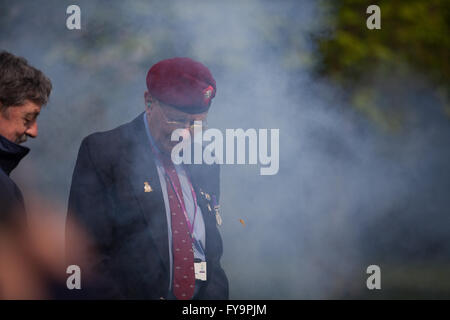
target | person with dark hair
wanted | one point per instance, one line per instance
(30, 265)
(23, 91)
(152, 223)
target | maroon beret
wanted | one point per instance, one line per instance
(182, 83)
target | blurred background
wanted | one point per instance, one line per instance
(364, 119)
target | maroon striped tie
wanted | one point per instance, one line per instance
(183, 255)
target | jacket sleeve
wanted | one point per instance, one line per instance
(11, 203)
(89, 210)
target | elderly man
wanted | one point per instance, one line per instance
(151, 224)
(23, 92)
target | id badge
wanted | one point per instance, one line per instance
(200, 270)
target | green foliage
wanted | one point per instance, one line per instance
(413, 42)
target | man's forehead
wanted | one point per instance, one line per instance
(30, 107)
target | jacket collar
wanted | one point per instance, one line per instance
(10, 154)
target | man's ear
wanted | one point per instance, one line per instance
(148, 100)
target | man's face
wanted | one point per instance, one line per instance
(17, 123)
(164, 119)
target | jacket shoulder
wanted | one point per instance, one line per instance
(105, 138)
(106, 144)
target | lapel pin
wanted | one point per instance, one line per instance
(147, 187)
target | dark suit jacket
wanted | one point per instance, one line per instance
(127, 226)
(12, 209)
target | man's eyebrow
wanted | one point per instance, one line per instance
(33, 114)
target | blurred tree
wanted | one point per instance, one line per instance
(413, 43)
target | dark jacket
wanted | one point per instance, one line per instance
(11, 200)
(127, 226)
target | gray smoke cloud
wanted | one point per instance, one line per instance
(347, 194)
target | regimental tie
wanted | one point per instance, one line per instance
(183, 255)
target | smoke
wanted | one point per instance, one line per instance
(347, 194)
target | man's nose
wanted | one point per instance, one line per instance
(32, 131)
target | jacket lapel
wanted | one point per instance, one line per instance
(143, 173)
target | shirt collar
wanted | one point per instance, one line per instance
(10, 154)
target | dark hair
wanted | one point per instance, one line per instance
(20, 82)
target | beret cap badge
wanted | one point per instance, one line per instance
(207, 93)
